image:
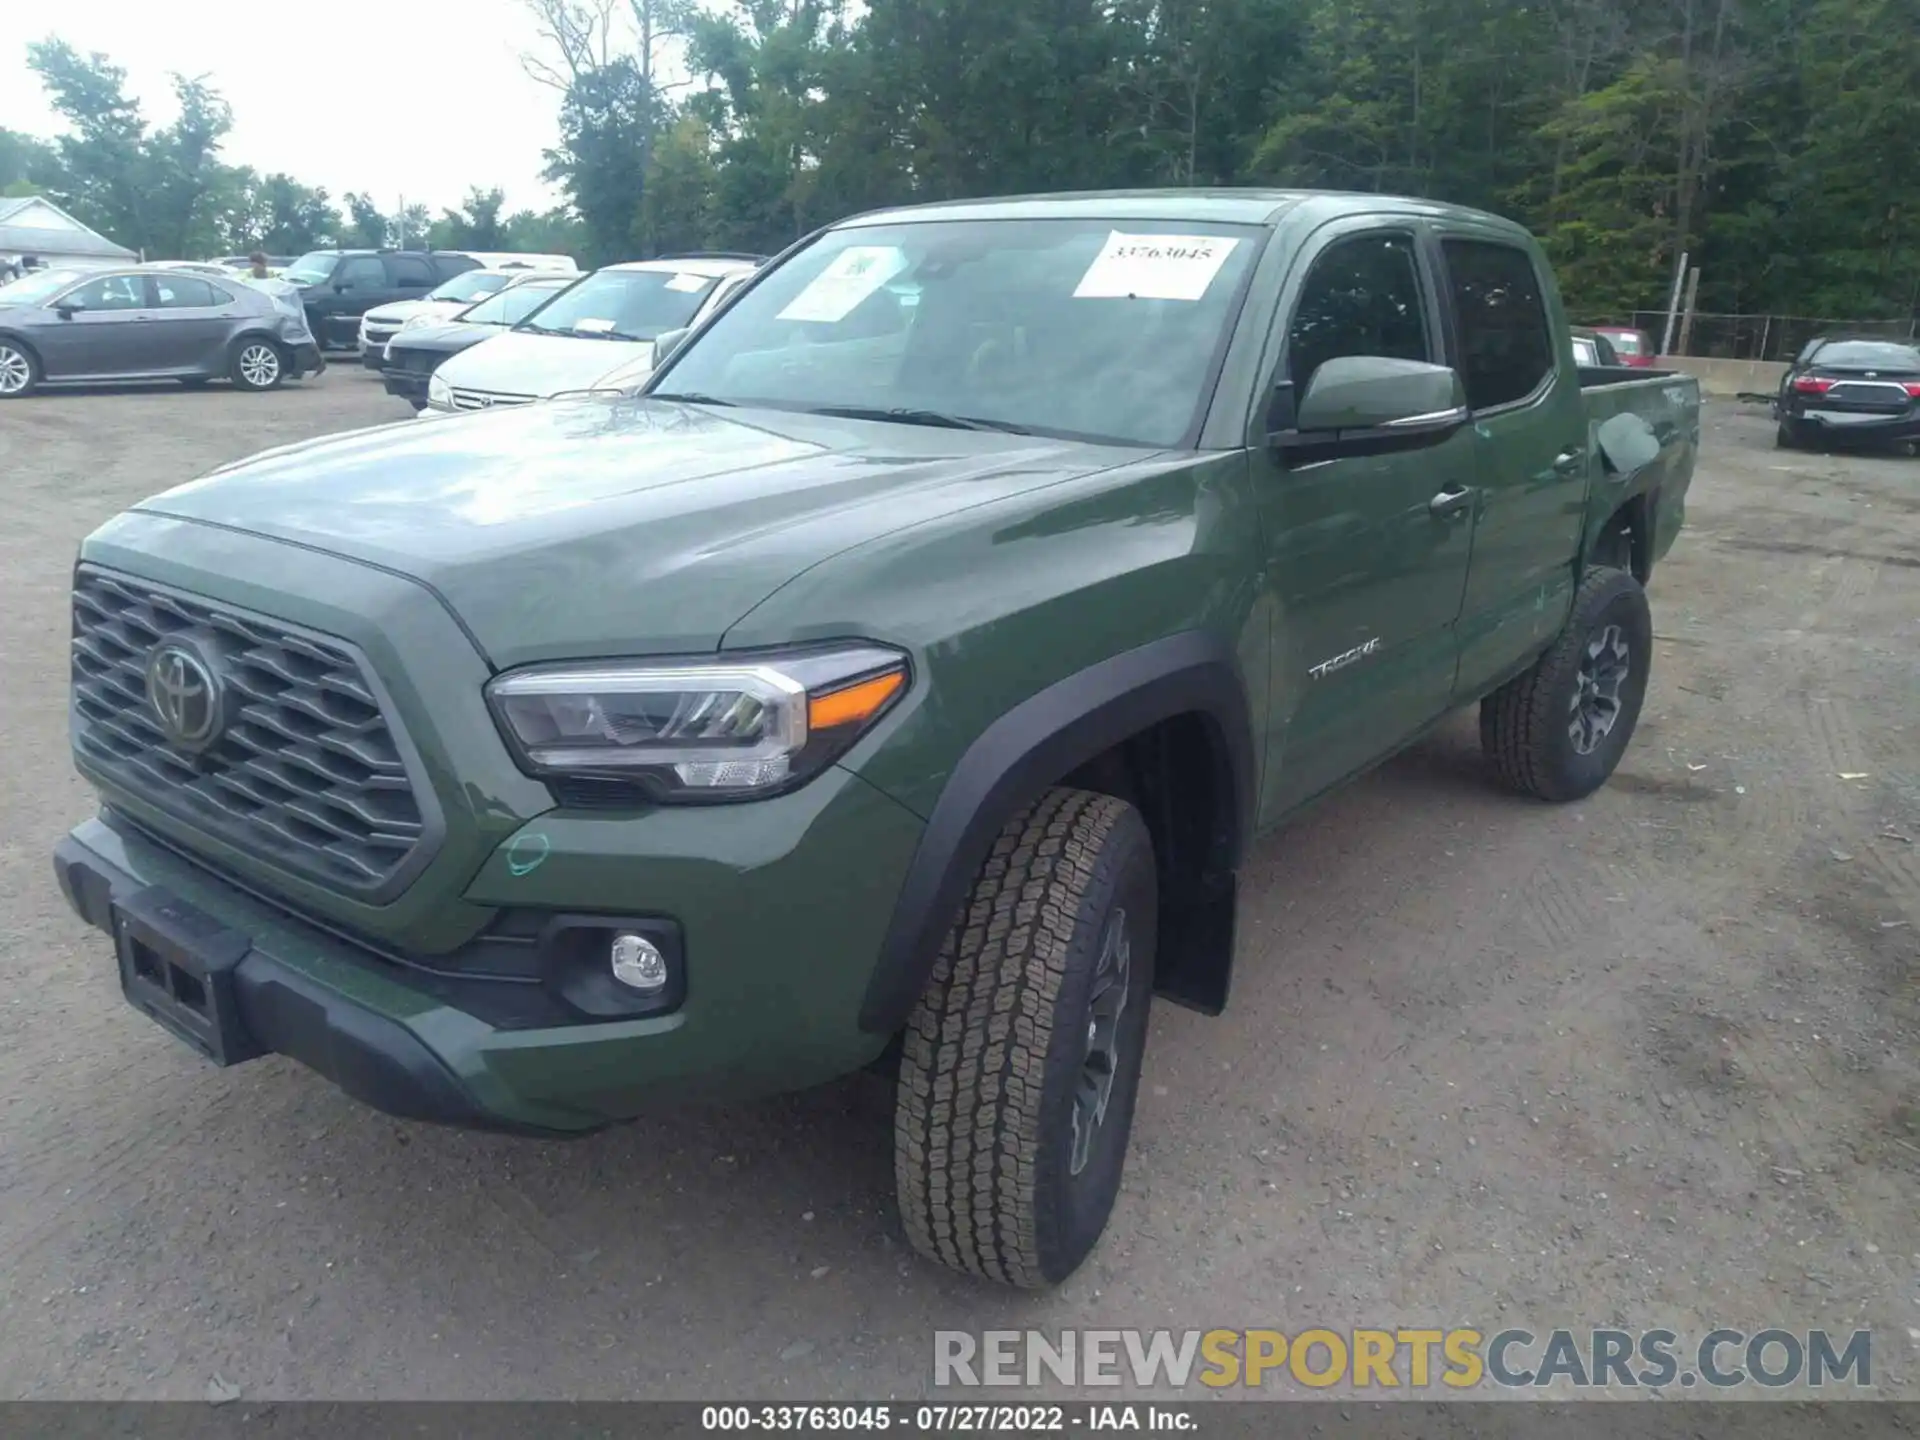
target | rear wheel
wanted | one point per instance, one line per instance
(19, 370)
(1021, 1062)
(258, 365)
(1558, 730)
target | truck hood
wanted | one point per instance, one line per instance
(521, 363)
(579, 529)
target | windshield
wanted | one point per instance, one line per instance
(510, 307)
(467, 288)
(624, 305)
(1067, 327)
(312, 268)
(32, 289)
(1865, 355)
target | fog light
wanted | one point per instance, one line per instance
(637, 963)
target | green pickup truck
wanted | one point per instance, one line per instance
(897, 680)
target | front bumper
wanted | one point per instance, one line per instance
(373, 354)
(407, 384)
(781, 907)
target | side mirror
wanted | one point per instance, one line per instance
(1377, 393)
(668, 341)
(67, 309)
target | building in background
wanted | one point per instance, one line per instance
(32, 225)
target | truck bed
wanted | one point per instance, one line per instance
(1644, 434)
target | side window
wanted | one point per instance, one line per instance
(1362, 297)
(362, 272)
(411, 270)
(112, 292)
(1506, 349)
(178, 292)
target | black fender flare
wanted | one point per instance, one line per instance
(1040, 740)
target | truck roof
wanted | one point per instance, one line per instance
(1223, 206)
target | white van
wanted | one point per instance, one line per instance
(594, 329)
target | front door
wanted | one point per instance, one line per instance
(1530, 426)
(1367, 553)
(108, 330)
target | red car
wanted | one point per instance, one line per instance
(1635, 347)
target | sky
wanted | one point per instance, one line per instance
(397, 99)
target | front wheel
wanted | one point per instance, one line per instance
(1558, 730)
(258, 365)
(19, 371)
(1021, 1062)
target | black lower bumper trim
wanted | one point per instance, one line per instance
(376, 1060)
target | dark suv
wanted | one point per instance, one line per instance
(339, 286)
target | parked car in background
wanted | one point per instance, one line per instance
(523, 260)
(1857, 390)
(1635, 347)
(425, 341)
(383, 322)
(144, 322)
(1592, 348)
(339, 286)
(605, 323)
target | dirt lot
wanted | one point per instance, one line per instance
(1653, 1059)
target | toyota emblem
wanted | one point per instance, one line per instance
(184, 694)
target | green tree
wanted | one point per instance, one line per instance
(367, 226)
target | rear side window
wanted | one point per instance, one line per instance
(411, 270)
(363, 272)
(180, 292)
(1506, 349)
(1362, 297)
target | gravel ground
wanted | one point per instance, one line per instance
(1646, 1060)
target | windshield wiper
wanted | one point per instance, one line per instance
(905, 415)
(689, 397)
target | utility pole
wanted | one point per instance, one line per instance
(1686, 315)
(1673, 304)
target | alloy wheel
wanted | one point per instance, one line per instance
(1596, 697)
(1101, 1062)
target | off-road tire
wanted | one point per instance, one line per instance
(993, 1054)
(1524, 725)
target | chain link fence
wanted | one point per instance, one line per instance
(1760, 337)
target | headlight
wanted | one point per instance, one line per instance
(700, 730)
(425, 317)
(439, 392)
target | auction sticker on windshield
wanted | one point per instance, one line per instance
(1154, 267)
(593, 325)
(854, 274)
(686, 284)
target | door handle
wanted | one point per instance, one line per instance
(1568, 461)
(1448, 502)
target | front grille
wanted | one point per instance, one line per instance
(487, 399)
(307, 773)
(413, 362)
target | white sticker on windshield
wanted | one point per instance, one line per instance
(593, 325)
(854, 274)
(1154, 267)
(687, 284)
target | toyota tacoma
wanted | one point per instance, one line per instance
(896, 679)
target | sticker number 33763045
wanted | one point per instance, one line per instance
(1154, 267)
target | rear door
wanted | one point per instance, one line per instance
(191, 323)
(1506, 333)
(1366, 567)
